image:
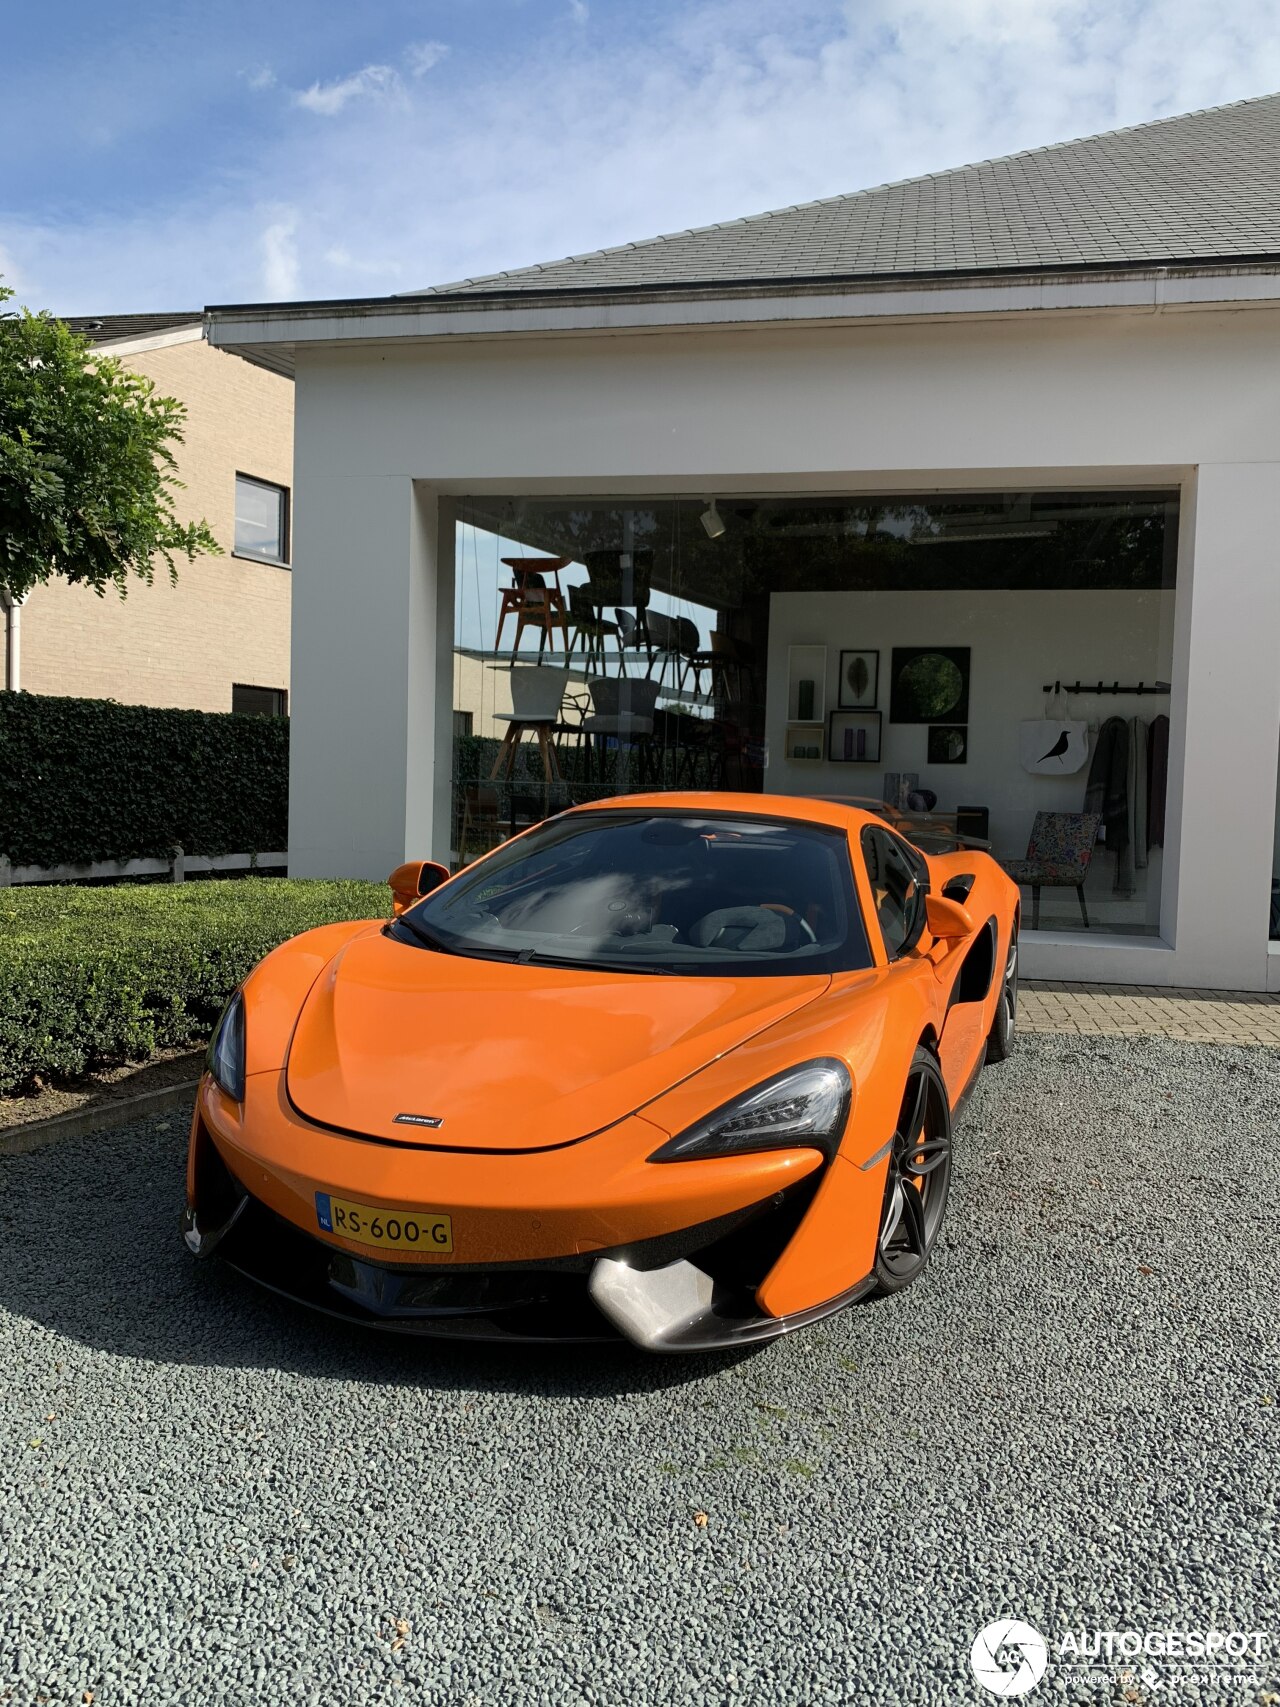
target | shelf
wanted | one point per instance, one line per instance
(804, 743)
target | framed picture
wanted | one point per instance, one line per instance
(853, 737)
(929, 684)
(948, 744)
(859, 680)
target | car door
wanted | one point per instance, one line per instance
(899, 877)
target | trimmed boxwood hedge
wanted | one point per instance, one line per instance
(87, 779)
(94, 976)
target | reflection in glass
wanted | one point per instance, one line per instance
(953, 611)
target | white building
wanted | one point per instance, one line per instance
(1022, 418)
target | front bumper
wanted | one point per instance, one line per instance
(690, 1289)
(641, 1293)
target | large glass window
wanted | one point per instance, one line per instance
(991, 664)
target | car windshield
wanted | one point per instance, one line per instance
(658, 892)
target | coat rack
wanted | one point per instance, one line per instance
(1104, 687)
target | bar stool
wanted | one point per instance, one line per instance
(591, 629)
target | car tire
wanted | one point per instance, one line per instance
(918, 1178)
(1000, 1039)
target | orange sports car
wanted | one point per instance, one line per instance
(680, 1068)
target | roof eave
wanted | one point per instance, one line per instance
(1146, 285)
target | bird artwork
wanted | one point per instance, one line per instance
(1053, 746)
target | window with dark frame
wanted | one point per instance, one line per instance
(262, 520)
(259, 702)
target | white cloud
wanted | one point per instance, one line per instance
(423, 56)
(279, 248)
(579, 11)
(259, 77)
(715, 109)
(375, 82)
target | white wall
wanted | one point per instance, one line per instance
(765, 410)
(1017, 641)
(371, 667)
(1036, 400)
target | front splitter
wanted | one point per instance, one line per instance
(680, 1308)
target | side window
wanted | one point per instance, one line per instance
(262, 521)
(899, 882)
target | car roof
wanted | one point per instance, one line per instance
(840, 814)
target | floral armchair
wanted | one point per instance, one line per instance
(1058, 856)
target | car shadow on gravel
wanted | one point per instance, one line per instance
(90, 1248)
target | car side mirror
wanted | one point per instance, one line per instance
(947, 919)
(414, 879)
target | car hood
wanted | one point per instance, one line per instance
(508, 1057)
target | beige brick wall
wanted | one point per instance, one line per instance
(227, 620)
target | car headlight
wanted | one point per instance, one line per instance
(225, 1060)
(805, 1107)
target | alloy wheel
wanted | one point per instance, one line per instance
(918, 1178)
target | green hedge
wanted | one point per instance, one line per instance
(91, 977)
(87, 779)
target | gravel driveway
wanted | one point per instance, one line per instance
(207, 1496)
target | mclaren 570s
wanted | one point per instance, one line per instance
(680, 1069)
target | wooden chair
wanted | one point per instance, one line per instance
(532, 602)
(1058, 856)
(537, 693)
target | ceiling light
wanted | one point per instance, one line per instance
(712, 521)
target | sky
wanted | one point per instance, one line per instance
(164, 157)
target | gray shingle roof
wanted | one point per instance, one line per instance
(106, 328)
(1205, 186)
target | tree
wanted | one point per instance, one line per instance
(86, 464)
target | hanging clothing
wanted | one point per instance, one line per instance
(1138, 790)
(1107, 791)
(1157, 778)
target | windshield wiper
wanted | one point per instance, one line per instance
(524, 956)
(543, 959)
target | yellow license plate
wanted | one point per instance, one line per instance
(424, 1230)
